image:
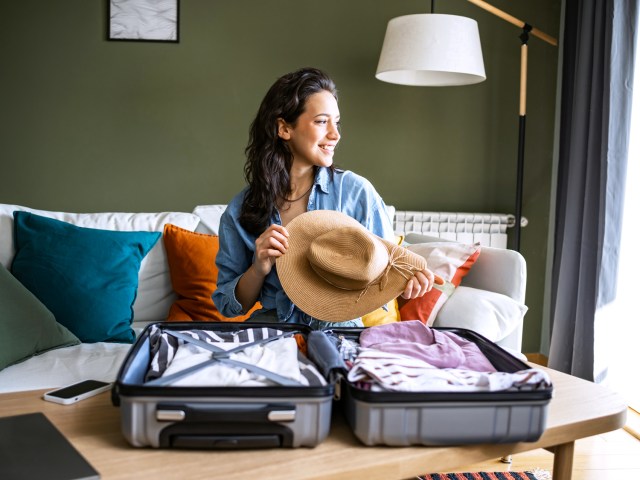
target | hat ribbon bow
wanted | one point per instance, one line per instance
(397, 263)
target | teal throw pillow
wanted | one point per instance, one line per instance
(87, 277)
(27, 327)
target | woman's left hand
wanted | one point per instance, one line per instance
(419, 284)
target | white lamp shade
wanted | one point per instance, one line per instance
(431, 50)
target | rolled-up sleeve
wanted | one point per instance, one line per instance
(232, 260)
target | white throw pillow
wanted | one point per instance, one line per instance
(490, 314)
(155, 293)
(450, 261)
(209, 218)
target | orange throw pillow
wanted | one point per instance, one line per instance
(194, 275)
(451, 261)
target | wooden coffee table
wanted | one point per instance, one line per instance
(579, 409)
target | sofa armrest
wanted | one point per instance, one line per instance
(501, 271)
(497, 270)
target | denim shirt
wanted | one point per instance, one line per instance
(343, 191)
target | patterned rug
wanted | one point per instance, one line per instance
(538, 475)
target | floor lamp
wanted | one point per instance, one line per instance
(444, 50)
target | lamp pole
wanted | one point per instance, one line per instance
(524, 37)
(521, 133)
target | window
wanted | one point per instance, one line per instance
(620, 320)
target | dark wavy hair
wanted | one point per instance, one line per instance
(268, 157)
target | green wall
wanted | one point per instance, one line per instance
(92, 125)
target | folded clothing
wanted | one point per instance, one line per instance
(170, 355)
(412, 357)
(382, 371)
(442, 349)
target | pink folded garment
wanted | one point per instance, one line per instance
(441, 349)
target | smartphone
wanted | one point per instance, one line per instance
(76, 392)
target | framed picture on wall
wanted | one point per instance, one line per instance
(144, 20)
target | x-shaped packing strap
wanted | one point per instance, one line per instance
(222, 356)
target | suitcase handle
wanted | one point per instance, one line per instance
(225, 413)
(226, 441)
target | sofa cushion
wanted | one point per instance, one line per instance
(27, 327)
(449, 260)
(209, 216)
(155, 294)
(87, 277)
(194, 275)
(490, 314)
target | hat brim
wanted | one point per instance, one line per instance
(315, 296)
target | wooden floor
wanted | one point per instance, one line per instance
(611, 456)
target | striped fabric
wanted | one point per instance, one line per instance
(481, 476)
(397, 372)
(163, 348)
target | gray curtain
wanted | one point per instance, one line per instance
(597, 77)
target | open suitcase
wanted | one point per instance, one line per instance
(158, 413)
(398, 418)
(226, 417)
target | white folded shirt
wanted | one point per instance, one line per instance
(279, 356)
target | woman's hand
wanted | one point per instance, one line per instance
(419, 284)
(273, 243)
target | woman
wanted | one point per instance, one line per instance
(289, 170)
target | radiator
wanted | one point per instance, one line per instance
(488, 229)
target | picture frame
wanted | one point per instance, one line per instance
(144, 20)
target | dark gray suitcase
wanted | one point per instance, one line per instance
(168, 416)
(437, 418)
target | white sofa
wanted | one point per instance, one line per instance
(498, 278)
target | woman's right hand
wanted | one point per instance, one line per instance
(273, 243)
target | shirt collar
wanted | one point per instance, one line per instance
(322, 179)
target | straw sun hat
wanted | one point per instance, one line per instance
(336, 270)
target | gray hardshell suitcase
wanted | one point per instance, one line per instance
(437, 418)
(233, 417)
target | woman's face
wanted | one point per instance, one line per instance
(314, 136)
